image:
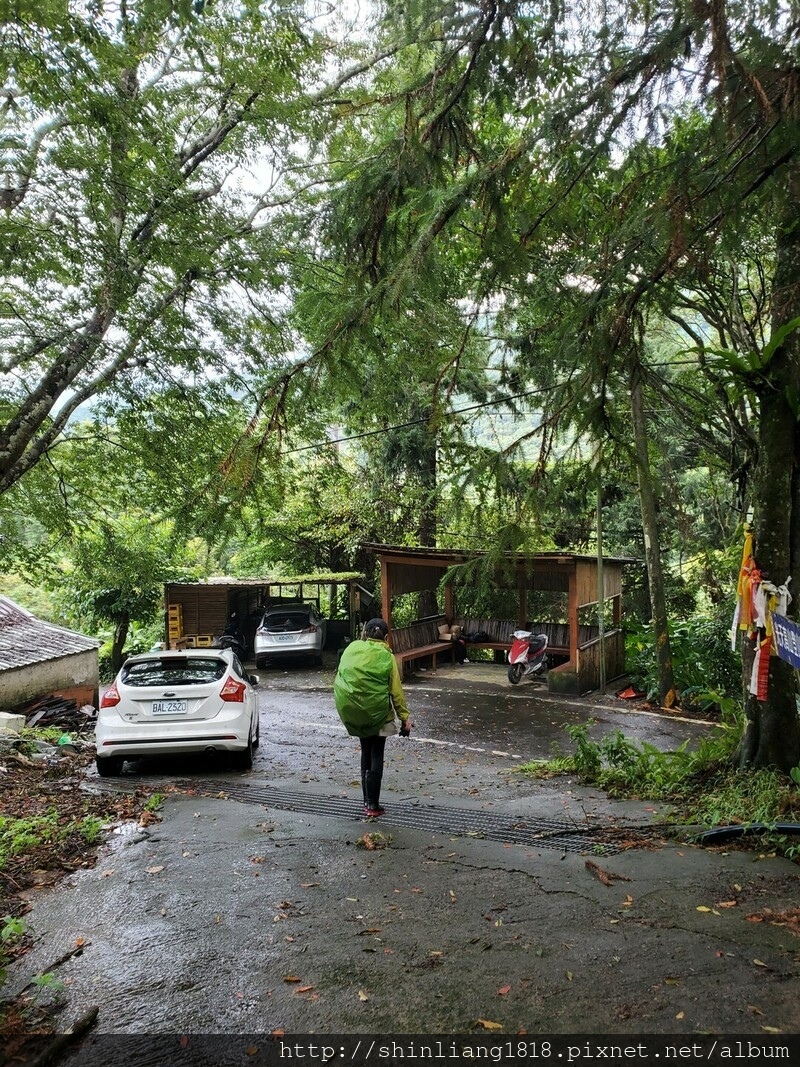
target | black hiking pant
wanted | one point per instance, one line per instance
(372, 769)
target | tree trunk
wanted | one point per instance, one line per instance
(427, 525)
(652, 550)
(118, 641)
(772, 727)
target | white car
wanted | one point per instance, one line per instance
(289, 629)
(196, 700)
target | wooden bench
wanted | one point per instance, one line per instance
(501, 634)
(419, 640)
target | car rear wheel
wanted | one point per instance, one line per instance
(243, 759)
(109, 766)
(261, 662)
(257, 738)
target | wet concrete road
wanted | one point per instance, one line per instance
(245, 917)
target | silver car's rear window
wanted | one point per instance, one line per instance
(287, 621)
(192, 670)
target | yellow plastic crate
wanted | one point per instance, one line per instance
(204, 640)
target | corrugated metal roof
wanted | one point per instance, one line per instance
(322, 578)
(448, 556)
(26, 640)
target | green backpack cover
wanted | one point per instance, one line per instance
(361, 687)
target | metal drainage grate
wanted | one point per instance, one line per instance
(460, 822)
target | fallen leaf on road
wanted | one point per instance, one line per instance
(363, 995)
(252, 1050)
(291, 978)
(680, 1015)
(789, 918)
(154, 870)
(487, 1024)
(727, 904)
(304, 988)
(503, 990)
(759, 963)
(772, 1029)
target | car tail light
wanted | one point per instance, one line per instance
(233, 691)
(111, 697)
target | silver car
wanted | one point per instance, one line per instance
(290, 629)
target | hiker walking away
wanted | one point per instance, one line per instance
(368, 695)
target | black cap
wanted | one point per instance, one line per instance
(377, 629)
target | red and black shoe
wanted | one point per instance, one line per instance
(373, 813)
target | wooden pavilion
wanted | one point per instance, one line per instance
(584, 653)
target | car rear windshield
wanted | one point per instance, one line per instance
(287, 620)
(193, 670)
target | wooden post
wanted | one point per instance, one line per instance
(386, 594)
(572, 612)
(448, 603)
(601, 583)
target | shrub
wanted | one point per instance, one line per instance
(705, 667)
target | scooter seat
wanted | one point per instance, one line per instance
(538, 643)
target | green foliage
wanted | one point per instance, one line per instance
(19, 835)
(700, 784)
(626, 767)
(50, 734)
(747, 797)
(12, 929)
(46, 983)
(706, 670)
(91, 829)
(172, 273)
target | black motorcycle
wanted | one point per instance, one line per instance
(234, 641)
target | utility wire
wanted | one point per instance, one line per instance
(417, 422)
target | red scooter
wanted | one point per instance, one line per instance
(528, 656)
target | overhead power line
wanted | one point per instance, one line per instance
(417, 422)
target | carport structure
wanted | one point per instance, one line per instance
(567, 583)
(201, 610)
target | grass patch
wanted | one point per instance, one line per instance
(702, 786)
